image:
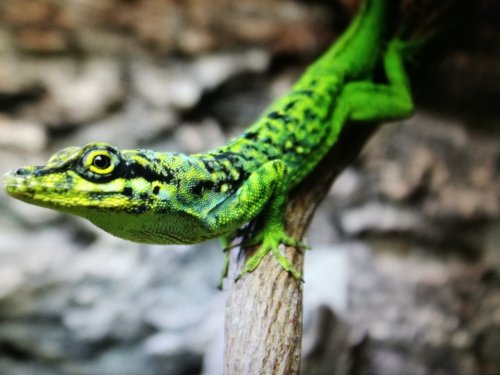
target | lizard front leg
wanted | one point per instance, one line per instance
(265, 192)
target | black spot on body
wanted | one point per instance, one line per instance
(242, 174)
(202, 186)
(209, 165)
(197, 188)
(245, 157)
(272, 127)
(251, 135)
(308, 93)
(310, 115)
(223, 155)
(277, 116)
(156, 190)
(208, 185)
(290, 105)
(267, 140)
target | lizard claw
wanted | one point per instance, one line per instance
(271, 240)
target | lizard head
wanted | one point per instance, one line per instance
(132, 194)
(78, 180)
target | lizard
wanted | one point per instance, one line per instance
(173, 198)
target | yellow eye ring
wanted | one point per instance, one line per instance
(100, 162)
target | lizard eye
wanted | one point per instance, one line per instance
(100, 162)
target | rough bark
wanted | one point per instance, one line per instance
(263, 327)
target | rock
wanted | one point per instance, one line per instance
(487, 346)
(22, 135)
(181, 84)
(428, 303)
(375, 217)
(38, 26)
(440, 168)
(86, 92)
(41, 339)
(491, 238)
(213, 70)
(14, 82)
(31, 266)
(193, 138)
(142, 123)
(164, 86)
(31, 216)
(348, 187)
(74, 91)
(75, 287)
(163, 27)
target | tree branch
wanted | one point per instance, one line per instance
(263, 326)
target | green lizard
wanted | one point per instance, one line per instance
(172, 198)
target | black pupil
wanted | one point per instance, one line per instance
(101, 162)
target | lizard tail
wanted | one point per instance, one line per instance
(361, 42)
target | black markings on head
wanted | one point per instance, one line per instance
(136, 170)
(128, 191)
(156, 190)
(22, 172)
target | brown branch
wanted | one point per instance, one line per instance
(263, 327)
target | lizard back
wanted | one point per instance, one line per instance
(299, 128)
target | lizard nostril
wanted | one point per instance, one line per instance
(21, 172)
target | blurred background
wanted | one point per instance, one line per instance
(405, 273)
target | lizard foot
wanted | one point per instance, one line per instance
(409, 49)
(270, 240)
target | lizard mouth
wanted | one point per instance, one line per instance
(16, 183)
(22, 184)
(64, 191)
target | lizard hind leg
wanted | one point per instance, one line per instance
(367, 101)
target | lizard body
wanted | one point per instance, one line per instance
(172, 198)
